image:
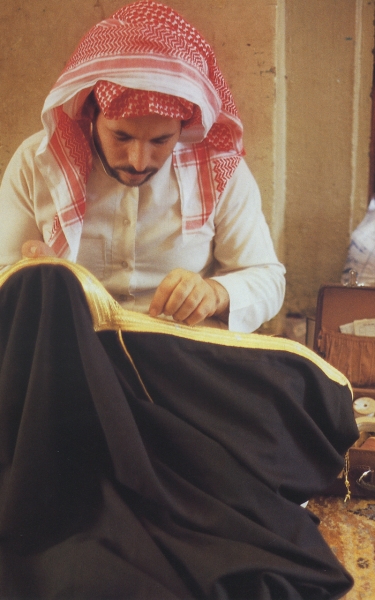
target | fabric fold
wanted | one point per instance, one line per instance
(195, 494)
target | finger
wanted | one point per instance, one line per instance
(199, 314)
(186, 296)
(184, 301)
(203, 309)
(35, 249)
(207, 299)
(163, 292)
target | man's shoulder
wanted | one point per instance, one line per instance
(242, 174)
(32, 143)
(24, 156)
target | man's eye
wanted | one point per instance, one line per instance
(160, 142)
(121, 138)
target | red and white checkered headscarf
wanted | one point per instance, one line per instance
(146, 57)
(118, 102)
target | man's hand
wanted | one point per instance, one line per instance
(35, 249)
(189, 298)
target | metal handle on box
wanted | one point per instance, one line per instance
(353, 278)
(364, 484)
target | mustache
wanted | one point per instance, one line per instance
(132, 171)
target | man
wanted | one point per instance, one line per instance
(139, 176)
(142, 458)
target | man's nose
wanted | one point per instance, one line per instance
(139, 155)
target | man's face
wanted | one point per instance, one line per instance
(133, 149)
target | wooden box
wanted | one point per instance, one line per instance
(353, 355)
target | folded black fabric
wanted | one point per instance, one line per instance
(146, 465)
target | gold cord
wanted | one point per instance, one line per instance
(346, 478)
(126, 351)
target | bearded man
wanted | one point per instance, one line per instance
(142, 458)
(139, 176)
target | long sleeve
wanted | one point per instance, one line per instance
(246, 263)
(26, 208)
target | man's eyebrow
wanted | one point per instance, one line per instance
(121, 132)
(161, 138)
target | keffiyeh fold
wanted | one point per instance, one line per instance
(145, 46)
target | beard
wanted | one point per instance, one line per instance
(146, 174)
(135, 179)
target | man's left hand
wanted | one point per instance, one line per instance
(36, 249)
(189, 298)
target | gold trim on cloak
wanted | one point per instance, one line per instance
(107, 314)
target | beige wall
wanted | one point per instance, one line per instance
(301, 75)
(329, 75)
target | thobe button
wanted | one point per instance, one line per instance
(124, 264)
(126, 222)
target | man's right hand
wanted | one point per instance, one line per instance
(35, 249)
(189, 298)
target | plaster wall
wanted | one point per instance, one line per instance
(301, 76)
(328, 62)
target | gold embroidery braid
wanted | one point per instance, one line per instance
(346, 478)
(128, 356)
(108, 315)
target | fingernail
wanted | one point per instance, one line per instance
(33, 249)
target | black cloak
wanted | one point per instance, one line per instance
(142, 459)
